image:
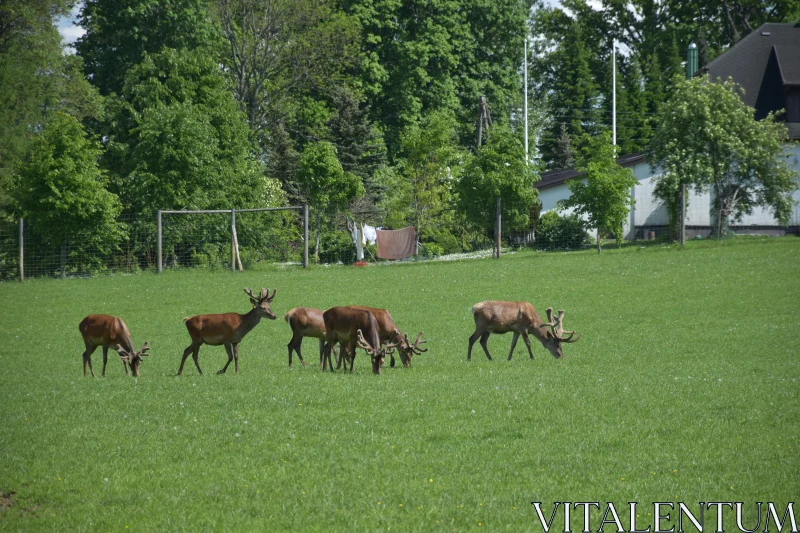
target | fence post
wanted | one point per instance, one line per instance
(64, 258)
(683, 214)
(305, 235)
(159, 242)
(498, 230)
(233, 240)
(21, 251)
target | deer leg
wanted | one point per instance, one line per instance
(321, 349)
(513, 345)
(326, 356)
(527, 343)
(236, 356)
(87, 358)
(105, 358)
(299, 354)
(472, 340)
(186, 353)
(484, 338)
(228, 349)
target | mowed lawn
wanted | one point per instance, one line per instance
(684, 388)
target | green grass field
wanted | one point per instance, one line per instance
(684, 387)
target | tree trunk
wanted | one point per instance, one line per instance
(316, 243)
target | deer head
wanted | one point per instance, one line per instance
(133, 359)
(555, 335)
(376, 355)
(406, 349)
(261, 303)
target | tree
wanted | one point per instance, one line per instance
(427, 168)
(498, 170)
(177, 139)
(120, 32)
(605, 199)
(37, 77)
(61, 190)
(708, 138)
(324, 183)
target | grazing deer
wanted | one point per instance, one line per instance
(227, 329)
(110, 332)
(305, 322)
(390, 333)
(352, 328)
(521, 318)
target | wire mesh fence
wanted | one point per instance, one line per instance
(212, 240)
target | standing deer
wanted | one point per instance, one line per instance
(110, 332)
(227, 329)
(390, 333)
(521, 318)
(352, 328)
(305, 322)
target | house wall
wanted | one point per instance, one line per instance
(649, 214)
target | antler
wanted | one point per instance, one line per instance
(557, 326)
(143, 351)
(415, 347)
(250, 294)
(362, 343)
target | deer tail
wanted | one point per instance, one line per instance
(186, 318)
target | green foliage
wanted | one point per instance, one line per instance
(279, 449)
(120, 33)
(323, 181)
(421, 193)
(177, 140)
(554, 232)
(498, 170)
(60, 189)
(37, 77)
(605, 199)
(709, 139)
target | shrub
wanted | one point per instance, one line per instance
(557, 232)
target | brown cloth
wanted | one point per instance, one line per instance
(397, 244)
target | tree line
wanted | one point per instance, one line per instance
(365, 107)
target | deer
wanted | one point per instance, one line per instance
(305, 322)
(352, 328)
(390, 333)
(522, 319)
(227, 329)
(110, 332)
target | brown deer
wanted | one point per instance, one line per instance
(522, 319)
(110, 332)
(305, 322)
(390, 333)
(352, 328)
(227, 329)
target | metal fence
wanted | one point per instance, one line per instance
(249, 239)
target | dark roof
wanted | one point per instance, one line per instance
(746, 61)
(557, 177)
(766, 64)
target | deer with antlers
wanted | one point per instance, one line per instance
(110, 332)
(226, 329)
(352, 328)
(389, 333)
(520, 318)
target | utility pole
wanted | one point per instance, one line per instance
(691, 68)
(484, 119)
(525, 69)
(614, 91)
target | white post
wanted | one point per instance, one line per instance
(525, 69)
(614, 91)
(21, 249)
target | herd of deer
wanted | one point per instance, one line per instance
(351, 327)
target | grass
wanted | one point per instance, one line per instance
(683, 388)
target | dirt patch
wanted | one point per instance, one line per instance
(6, 499)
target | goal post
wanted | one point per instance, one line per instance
(211, 234)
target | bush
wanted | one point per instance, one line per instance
(556, 232)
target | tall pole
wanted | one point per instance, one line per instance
(498, 231)
(160, 262)
(233, 240)
(305, 235)
(525, 69)
(21, 250)
(614, 91)
(691, 68)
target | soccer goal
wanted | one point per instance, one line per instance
(240, 238)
